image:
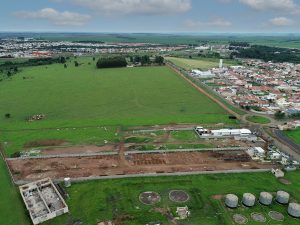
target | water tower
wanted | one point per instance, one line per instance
(221, 63)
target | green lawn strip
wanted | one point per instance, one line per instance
(169, 146)
(12, 208)
(138, 140)
(14, 141)
(185, 135)
(294, 135)
(199, 63)
(258, 119)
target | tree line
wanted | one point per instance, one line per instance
(267, 53)
(111, 62)
(120, 61)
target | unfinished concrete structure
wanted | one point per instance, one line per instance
(43, 201)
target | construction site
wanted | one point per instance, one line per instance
(82, 162)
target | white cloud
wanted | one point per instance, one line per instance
(65, 18)
(143, 7)
(217, 22)
(279, 5)
(281, 21)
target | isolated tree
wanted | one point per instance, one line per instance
(7, 115)
(159, 60)
(131, 59)
(65, 66)
(94, 58)
(15, 155)
(279, 115)
(145, 59)
(62, 60)
(137, 59)
(76, 63)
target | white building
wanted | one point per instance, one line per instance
(222, 132)
(202, 74)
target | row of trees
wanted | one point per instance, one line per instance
(119, 61)
(111, 62)
(269, 54)
(146, 60)
(33, 62)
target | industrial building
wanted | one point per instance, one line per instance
(222, 132)
(43, 201)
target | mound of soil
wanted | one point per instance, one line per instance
(178, 196)
(44, 143)
(217, 197)
(149, 198)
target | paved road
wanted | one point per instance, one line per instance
(281, 136)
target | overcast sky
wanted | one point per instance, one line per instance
(150, 15)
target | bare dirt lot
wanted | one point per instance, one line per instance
(90, 166)
(86, 149)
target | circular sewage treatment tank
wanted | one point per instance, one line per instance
(231, 201)
(294, 210)
(265, 198)
(248, 199)
(282, 197)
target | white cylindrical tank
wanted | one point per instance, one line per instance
(265, 198)
(67, 182)
(248, 199)
(294, 210)
(231, 201)
(282, 197)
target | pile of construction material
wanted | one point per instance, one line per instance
(36, 117)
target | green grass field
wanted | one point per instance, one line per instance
(258, 119)
(201, 63)
(16, 140)
(12, 209)
(87, 96)
(294, 135)
(184, 135)
(99, 201)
